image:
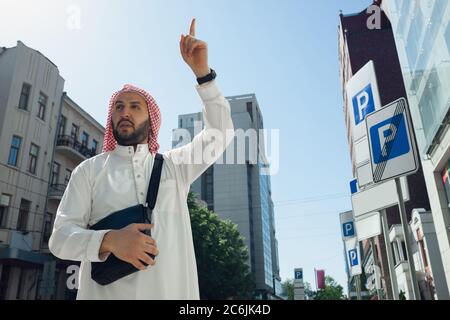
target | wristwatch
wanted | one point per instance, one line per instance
(210, 76)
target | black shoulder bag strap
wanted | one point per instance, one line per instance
(153, 187)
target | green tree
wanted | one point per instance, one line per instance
(288, 289)
(221, 255)
(332, 291)
(309, 293)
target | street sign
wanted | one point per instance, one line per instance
(362, 98)
(368, 225)
(299, 287)
(353, 186)
(349, 229)
(377, 197)
(393, 151)
(347, 225)
(299, 274)
(353, 256)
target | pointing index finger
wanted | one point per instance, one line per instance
(192, 28)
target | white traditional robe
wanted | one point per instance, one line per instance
(118, 179)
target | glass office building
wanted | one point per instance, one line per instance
(422, 35)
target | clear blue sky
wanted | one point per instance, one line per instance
(285, 52)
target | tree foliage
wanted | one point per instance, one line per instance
(288, 289)
(332, 291)
(221, 255)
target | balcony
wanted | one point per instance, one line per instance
(56, 191)
(71, 147)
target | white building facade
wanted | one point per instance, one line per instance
(39, 149)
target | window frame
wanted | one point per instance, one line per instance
(24, 213)
(34, 158)
(52, 177)
(62, 126)
(67, 177)
(42, 106)
(47, 231)
(94, 146)
(17, 148)
(5, 210)
(84, 143)
(74, 134)
(27, 99)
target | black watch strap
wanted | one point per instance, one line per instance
(210, 76)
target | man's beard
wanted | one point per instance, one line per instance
(134, 138)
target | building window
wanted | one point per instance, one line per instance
(14, 150)
(250, 109)
(62, 126)
(47, 227)
(42, 104)
(4, 281)
(181, 123)
(423, 252)
(74, 132)
(24, 96)
(431, 105)
(67, 177)
(94, 146)
(445, 174)
(396, 253)
(84, 139)
(5, 203)
(34, 153)
(24, 212)
(55, 174)
(405, 256)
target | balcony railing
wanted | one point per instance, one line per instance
(69, 141)
(56, 190)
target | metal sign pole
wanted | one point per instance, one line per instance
(358, 287)
(390, 256)
(375, 271)
(412, 269)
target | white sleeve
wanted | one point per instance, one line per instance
(195, 157)
(70, 239)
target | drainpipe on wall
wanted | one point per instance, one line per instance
(51, 164)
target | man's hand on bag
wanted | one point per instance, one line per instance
(195, 52)
(131, 245)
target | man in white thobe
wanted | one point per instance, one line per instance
(119, 177)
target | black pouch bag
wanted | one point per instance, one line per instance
(113, 268)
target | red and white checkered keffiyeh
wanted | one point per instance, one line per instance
(109, 142)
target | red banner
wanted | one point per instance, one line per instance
(320, 279)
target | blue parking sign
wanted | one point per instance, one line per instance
(298, 274)
(393, 152)
(348, 229)
(363, 104)
(389, 139)
(353, 257)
